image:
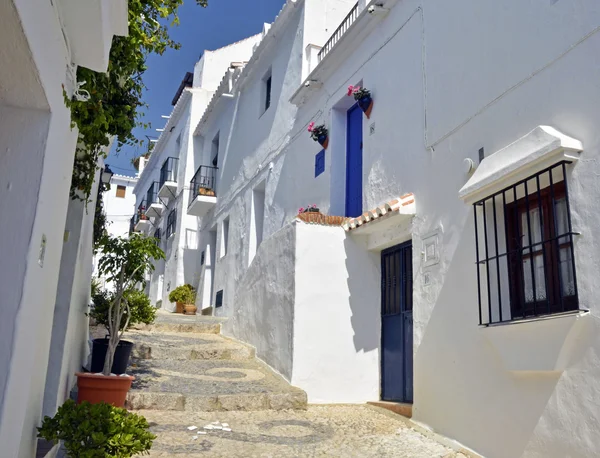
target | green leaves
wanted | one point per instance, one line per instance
(185, 294)
(98, 431)
(140, 310)
(113, 109)
(133, 256)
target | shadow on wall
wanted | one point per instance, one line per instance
(263, 309)
(364, 283)
(461, 388)
(191, 266)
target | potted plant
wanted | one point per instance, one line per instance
(97, 431)
(312, 214)
(184, 295)
(140, 311)
(206, 192)
(363, 97)
(319, 134)
(123, 262)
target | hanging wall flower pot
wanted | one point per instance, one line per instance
(323, 141)
(366, 105)
(363, 97)
(319, 134)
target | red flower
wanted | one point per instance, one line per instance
(301, 210)
(311, 126)
(350, 89)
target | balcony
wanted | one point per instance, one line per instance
(202, 191)
(167, 188)
(339, 32)
(141, 221)
(155, 205)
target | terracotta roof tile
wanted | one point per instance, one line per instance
(401, 205)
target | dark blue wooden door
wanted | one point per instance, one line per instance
(397, 324)
(354, 162)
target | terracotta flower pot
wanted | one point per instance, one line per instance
(324, 141)
(190, 309)
(179, 307)
(320, 218)
(100, 388)
(366, 105)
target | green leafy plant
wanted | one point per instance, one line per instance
(139, 311)
(185, 294)
(97, 431)
(109, 105)
(124, 262)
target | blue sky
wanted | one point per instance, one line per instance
(221, 23)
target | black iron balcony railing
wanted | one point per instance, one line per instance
(132, 223)
(204, 182)
(152, 194)
(339, 32)
(168, 171)
(140, 213)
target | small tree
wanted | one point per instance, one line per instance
(124, 262)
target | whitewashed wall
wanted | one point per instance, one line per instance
(36, 159)
(336, 317)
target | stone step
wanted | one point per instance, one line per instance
(211, 385)
(196, 327)
(182, 346)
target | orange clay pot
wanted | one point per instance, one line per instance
(100, 388)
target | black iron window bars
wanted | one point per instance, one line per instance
(524, 249)
(171, 223)
(203, 182)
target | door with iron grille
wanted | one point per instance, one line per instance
(397, 324)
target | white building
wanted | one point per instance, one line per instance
(46, 242)
(118, 207)
(445, 287)
(162, 191)
(119, 203)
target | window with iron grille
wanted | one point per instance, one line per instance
(524, 249)
(171, 223)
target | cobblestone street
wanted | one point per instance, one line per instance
(208, 396)
(320, 431)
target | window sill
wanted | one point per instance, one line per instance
(543, 344)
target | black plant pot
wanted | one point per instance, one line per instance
(121, 360)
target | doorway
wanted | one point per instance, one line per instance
(397, 324)
(354, 162)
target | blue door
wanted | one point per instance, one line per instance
(397, 324)
(354, 162)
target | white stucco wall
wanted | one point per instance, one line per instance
(262, 311)
(336, 317)
(36, 159)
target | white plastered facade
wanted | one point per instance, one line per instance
(46, 237)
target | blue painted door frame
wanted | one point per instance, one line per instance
(354, 143)
(397, 324)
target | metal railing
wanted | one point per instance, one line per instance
(339, 32)
(152, 194)
(140, 213)
(203, 183)
(168, 171)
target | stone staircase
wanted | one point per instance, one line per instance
(182, 363)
